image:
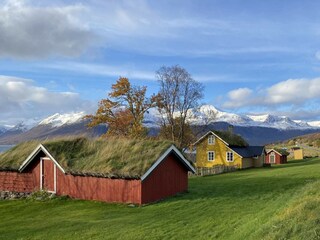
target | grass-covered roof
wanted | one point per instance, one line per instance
(115, 157)
(231, 138)
(282, 151)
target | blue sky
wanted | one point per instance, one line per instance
(252, 56)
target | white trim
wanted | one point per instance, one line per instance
(163, 157)
(41, 173)
(214, 156)
(210, 132)
(54, 174)
(55, 177)
(272, 150)
(34, 153)
(232, 152)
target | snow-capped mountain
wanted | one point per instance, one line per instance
(57, 125)
(58, 120)
(206, 114)
(280, 122)
(251, 127)
(210, 114)
(25, 125)
(314, 124)
(3, 129)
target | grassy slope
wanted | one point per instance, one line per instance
(277, 203)
(310, 144)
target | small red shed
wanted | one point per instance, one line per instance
(276, 156)
(134, 172)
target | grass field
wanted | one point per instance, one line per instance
(281, 202)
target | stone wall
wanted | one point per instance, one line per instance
(12, 195)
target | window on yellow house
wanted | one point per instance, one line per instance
(229, 156)
(211, 140)
(211, 156)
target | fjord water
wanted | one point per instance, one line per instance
(4, 148)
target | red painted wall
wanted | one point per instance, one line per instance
(28, 181)
(278, 159)
(168, 179)
(16, 182)
(102, 189)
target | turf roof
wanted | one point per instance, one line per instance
(282, 151)
(108, 158)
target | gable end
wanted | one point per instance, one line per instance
(34, 154)
(174, 150)
(212, 133)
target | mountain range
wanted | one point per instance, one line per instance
(256, 129)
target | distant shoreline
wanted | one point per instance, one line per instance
(4, 148)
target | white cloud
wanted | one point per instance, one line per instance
(38, 32)
(240, 94)
(293, 92)
(239, 97)
(22, 98)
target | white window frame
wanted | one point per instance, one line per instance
(208, 156)
(227, 154)
(211, 140)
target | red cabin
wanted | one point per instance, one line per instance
(149, 180)
(276, 156)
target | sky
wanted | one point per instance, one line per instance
(253, 57)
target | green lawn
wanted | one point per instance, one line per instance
(281, 202)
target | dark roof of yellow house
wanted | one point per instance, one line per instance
(249, 151)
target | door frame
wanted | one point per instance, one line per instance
(273, 155)
(54, 174)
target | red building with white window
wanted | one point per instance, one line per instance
(276, 156)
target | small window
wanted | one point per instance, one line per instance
(229, 156)
(211, 140)
(211, 156)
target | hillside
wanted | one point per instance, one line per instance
(312, 140)
(309, 142)
(281, 202)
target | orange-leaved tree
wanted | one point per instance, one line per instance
(124, 110)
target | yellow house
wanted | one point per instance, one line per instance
(212, 150)
(298, 153)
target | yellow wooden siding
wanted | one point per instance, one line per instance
(220, 149)
(298, 154)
